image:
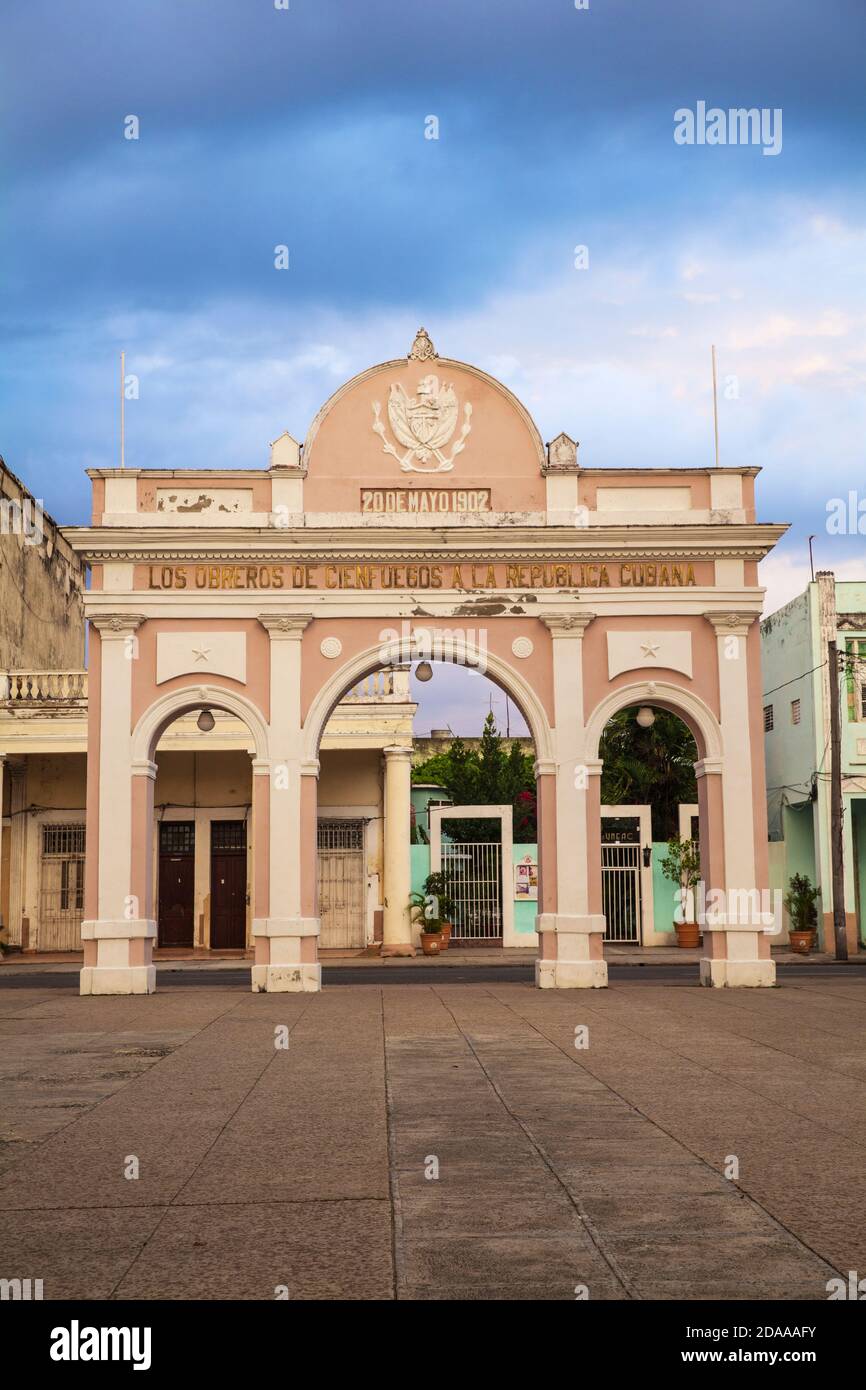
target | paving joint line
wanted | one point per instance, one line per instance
(139, 1253)
(684, 1145)
(586, 1223)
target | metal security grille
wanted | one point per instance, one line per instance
(475, 870)
(61, 888)
(620, 891)
(177, 837)
(228, 836)
(341, 883)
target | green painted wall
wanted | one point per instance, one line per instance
(664, 903)
(524, 912)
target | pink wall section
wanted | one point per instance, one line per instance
(759, 772)
(592, 479)
(94, 707)
(705, 672)
(501, 451)
(150, 483)
(257, 687)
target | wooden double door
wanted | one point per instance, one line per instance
(228, 884)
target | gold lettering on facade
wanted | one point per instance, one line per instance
(422, 574)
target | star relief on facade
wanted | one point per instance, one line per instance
(423, 424)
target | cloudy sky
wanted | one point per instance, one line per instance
(306, 127)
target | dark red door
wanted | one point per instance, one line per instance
(176, 883)
(228, 885)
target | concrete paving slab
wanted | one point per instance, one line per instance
(557, 1167)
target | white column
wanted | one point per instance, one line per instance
(18, 817)
(743, 959)
(570, 949)
(285, 933)
(124, 935)
(397, 925)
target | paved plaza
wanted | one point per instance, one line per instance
(311, 1170)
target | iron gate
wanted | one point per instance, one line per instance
(475, 870)
(341, 884)
(620, 880)
(61, 888)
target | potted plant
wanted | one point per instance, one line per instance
(682, 865)
(422, 906)
(439, 887)
(802, 913)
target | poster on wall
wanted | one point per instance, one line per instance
(526, 879)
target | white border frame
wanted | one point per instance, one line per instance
(505, 815)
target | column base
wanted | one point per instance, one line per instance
(286, 979)
(119, 956)
(571, 974)
(399, 948)
(579, 961)
(738, 974)
(117, 979)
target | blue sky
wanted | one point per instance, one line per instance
(306, 127)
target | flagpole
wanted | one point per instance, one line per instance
(715, 406)
(122, 379)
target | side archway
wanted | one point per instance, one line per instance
(176, 703)
(693, 711)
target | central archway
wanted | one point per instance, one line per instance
(396, 929)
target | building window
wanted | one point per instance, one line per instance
(768, 718)
(795, 711)
(863, 700)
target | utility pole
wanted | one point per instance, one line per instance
(837, 860)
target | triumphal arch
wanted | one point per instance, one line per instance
(423, 516)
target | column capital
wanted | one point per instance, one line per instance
(394, 752)
(709, 767)
(734, 622)
(285, 625)
(310, 767)
(143, 767)
(118, 625)
(568, 624)
(544, 767)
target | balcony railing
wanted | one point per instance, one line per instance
(389, 686)
(36, 688)
(19, 688)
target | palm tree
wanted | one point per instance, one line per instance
(649, 767)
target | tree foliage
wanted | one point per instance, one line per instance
(649, 767)
(487, 776)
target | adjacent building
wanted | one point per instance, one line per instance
(796, 713)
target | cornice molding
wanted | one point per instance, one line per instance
(116, 624)
(285, 624)
(569, 624)
(730, 620)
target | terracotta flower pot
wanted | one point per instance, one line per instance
(431, 942)
(688, 935)
(445, 934)
(801, 941)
